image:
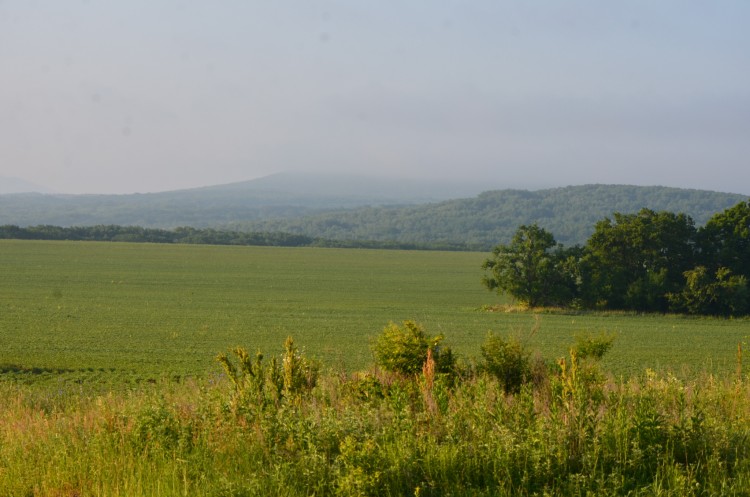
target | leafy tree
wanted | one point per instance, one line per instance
(635, 260)
(530, 269)
(718, 293)
(725, 240)
(589, 346)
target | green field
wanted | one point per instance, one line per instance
(130, 312)
(116, 318)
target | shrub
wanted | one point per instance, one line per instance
(300, 373)
(507, 360)
(158, 428)
(403, 349)
(365, 387)
(251, 381)
(593, 346)
(256, 386)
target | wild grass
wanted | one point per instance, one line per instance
(572, 431)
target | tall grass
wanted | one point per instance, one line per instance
(573, 431)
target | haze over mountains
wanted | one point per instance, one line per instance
(18, 185)
(348, 207)
(280, 195)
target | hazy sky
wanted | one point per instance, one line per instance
(112, 96)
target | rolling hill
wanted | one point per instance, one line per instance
(492, 217)
(351, 208)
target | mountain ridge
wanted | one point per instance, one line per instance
(492, 217)
(279, 195)
(347, 207)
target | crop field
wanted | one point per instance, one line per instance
(118, 312)
(93, 334)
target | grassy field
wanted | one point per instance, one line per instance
(81, 323)
(102, 312)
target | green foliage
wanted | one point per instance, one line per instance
(725, 240)
(137, 312)
(477, 223)
(112, 315)
(722, 294)
(576, 434)
(366, 387)
(480, 223)
(590, 346)
(403, 349)
(529, 269)
(633, 262)
(358, 464)
(137, 234)
(300, 374)
(158, 428)
(640, 262)
(507, 360)
(256, 386)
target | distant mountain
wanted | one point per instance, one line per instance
(283, 195)
(17, 185)
(492, 217)
(353, 208)
(357, 188)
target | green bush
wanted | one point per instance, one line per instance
(588, 346)
(403, 349)
(300, 373)
(256, 386)
(506, 360)
(157, 428)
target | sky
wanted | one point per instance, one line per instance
(106, 96)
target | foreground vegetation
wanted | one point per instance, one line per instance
(568, 430)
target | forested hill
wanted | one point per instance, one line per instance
(570, 213)
(352, 209)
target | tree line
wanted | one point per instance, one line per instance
(116, 233)
(649, 261)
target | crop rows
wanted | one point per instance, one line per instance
(102, 312)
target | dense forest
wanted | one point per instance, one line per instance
(493, 216)
(355, 213)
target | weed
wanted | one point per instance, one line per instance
(507, 360)
(404, 349)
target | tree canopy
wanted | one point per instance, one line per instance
(531, 268)
(635, 260)
(649, 261)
